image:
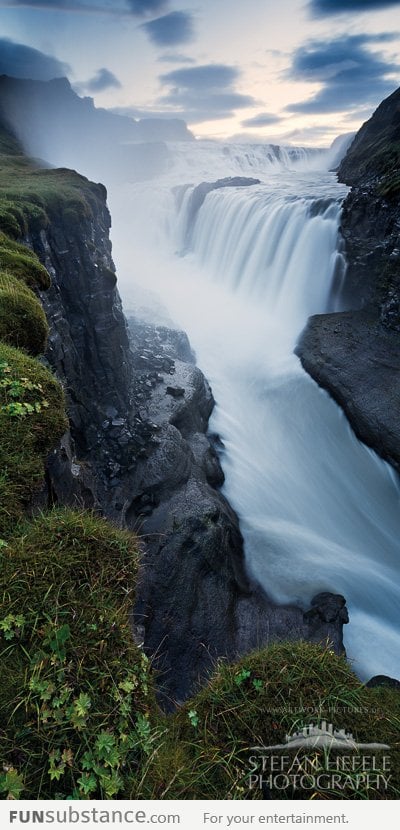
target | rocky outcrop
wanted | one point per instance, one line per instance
(380, 680)
(88, 349)
(355, 354)
(358, 361)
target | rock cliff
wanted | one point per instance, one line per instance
(355, 354)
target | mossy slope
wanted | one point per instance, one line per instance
(32, 419)
(77, 691)
(22, 263)
(22, 320)
(256, 702)
(375, 152)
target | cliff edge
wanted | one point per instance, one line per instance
(355, 354)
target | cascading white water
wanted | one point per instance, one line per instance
(319, 511)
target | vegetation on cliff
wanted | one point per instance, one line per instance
(32, 196)
(77, 689)
(374, 154)
(32, 418)
(76, 692)
(22, 319)
(256, 702)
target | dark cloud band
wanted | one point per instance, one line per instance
(138, 8)
(103, 79)
(204, 93)
(263, 119)
(171, 29)
(351, 75)
(321, 8)
(146, 7)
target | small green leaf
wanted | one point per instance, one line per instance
(105, 745)
(243, 675)
(87, 783)
(11, 783)
(193, 717)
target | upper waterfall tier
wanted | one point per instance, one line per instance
(266, 242)
(212, 160)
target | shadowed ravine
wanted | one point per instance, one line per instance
(318, 510)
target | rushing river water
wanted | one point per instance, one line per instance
(318, 510)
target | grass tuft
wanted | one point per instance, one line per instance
(78, 698)
(32, 419)
(23, 322)
(256, 702)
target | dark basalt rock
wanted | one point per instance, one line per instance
(327, 615)
(383, 680)
(357, 361)
(355, 355)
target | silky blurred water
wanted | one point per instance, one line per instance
(318, 510)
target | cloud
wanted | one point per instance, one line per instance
(171, 29)
(351, 75)
(42, 4)
(175, 58)
(321, 8)
(22, 61)
(313, 134)
(65, 5)
(103, 79)
(138, 8)
(263, 119)
(204, 93)
(139, 112)
(145, 7)
(207, 77)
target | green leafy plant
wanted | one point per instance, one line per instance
(14, 390)
(12, 626)
(193, 717)
(241, 676)
(11, 783)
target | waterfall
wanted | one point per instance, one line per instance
(282, 252)
(318, 510)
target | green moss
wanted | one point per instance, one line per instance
(22, 320)
(26, 438)
(78, 701)
(22, 263)
(256, 703)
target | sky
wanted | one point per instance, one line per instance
(285, 71)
